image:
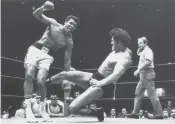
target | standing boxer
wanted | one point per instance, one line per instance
(39, 56)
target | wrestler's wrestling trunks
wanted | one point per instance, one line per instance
(43, 48)
(97, 76)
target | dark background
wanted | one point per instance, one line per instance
(154, 19)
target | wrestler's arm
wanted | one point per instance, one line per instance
(119, 69)
(38, 14)
(67, 57)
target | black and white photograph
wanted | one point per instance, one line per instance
(87, 61)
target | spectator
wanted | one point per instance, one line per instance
(5, 115)
(165, 114)
(169, 108)
(146, 114)
(55, 107)
(21, 113)
(112, 113)
(123, 113)
(173, 113)
(93, 106)
(76, 94)
(70, 99)
(141, 114)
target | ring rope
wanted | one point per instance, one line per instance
(13, 77)
(165, 81)
(12, 59)
(162, 81)
(23, 62)
(15, 96)
(114, 98)
(121, 83)
(169, 63)
(119, 98)
(160, 97)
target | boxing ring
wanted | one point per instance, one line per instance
(83, 120)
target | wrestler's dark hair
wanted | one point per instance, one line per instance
(74, 18)
(122, 35)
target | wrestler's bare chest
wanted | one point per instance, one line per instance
(55, 38)
(59, 36)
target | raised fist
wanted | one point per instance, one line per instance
(48, 5)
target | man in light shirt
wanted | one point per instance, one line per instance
(110, 71)
(147, 75)
(55, 107)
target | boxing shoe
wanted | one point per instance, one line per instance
(132, 115)
(43, 113)
(100, 114)
(29, 114)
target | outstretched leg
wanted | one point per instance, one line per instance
(77, 77)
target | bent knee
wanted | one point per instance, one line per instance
(98, 91)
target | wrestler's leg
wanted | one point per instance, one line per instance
(42, 90)
(79, 78)
(91, 94)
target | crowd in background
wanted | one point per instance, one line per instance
(55, 108)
